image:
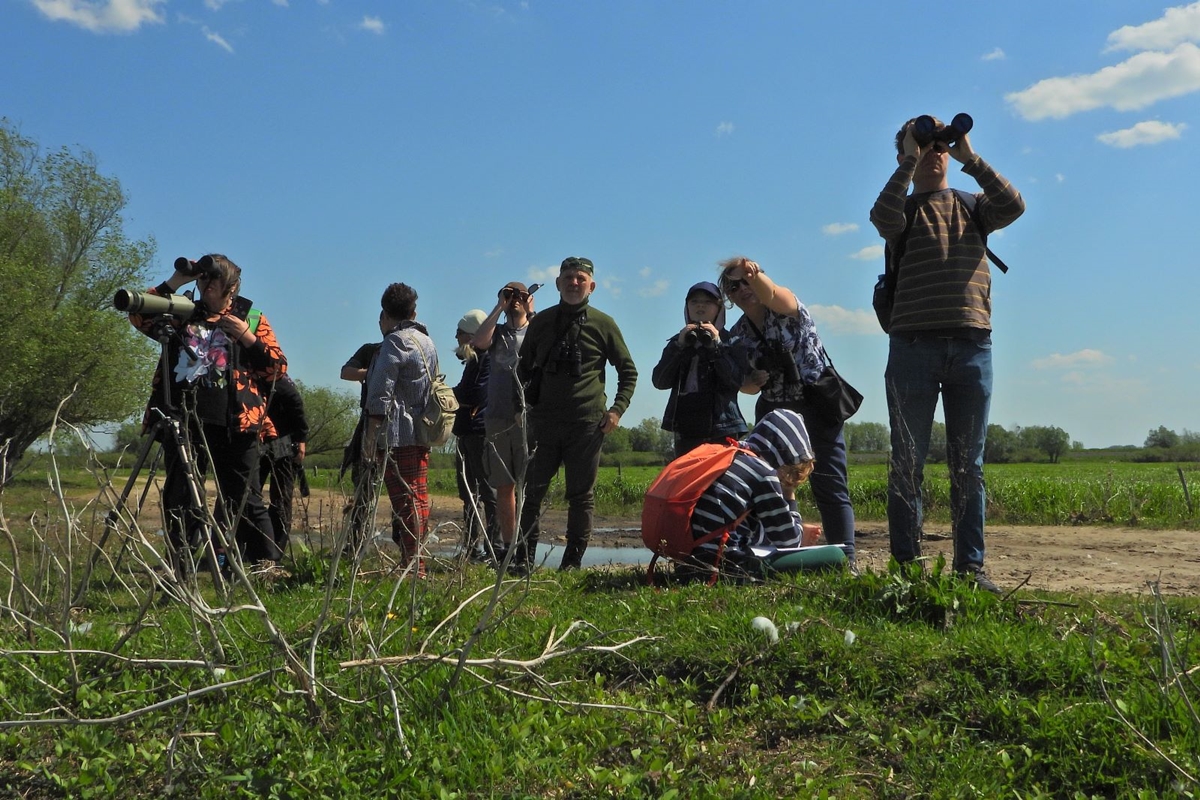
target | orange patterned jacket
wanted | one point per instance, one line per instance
(251, 371)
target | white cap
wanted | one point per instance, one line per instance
(471, 321)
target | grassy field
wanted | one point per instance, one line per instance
(1073, 492)
(335, 682)
(593, 685)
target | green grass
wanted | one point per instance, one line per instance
(1072, 492)
(941, 692)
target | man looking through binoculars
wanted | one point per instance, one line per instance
(940, 327)
(222, 361)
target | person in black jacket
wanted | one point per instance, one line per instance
(703, 367)
(285, 438)
(469, 434)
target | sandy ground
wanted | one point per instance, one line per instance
(1066, 558)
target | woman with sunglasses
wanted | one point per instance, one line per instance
(786, 353)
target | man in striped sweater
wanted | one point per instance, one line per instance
(763, 484)
(940, 337)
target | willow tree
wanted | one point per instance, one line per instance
(63, 253)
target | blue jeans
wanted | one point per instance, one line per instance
(918, 370)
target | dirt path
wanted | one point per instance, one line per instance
(1058, 558)
(1104, 559)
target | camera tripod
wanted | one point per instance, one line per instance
(192, 537)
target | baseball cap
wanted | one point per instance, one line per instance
(471, 321)
(581, 264)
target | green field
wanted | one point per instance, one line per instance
(1083, 491)
(333, 682)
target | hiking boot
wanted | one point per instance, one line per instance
(572, 556)
(983, 581)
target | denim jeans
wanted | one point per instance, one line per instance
(918, 370)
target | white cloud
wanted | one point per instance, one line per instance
(543, 275)
(995, 55)
(215, 5)
(113, 16)
(1135, 83)
(838, 228)
(656, 289)
(1058, 176)
(217, 39)
(1148, 132)
(872, 253)
(281, 3)
(612, 286)
(1175, 26)
(724, 129)
(836, 319)
(644, 272)
(372, 24)
(1080, 359)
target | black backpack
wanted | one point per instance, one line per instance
(884, 296)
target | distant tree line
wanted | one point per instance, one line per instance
(1033, 443)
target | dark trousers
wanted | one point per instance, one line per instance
(575, 446)
(830, 479)
(234, 458)
(478, 497)
(279, 474)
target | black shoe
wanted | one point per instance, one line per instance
(984, 582)
(572, 556)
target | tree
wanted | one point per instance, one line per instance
(1000, 446)
(648, 436)
(332, 416)
(1052, 440)
(1163, 437)
(867, 437)
(937, 442)
(618, 441)
(63, 255)
(128, 436)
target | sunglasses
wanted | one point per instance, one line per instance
(732, 284)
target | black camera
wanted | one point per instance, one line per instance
(698, 335)
(778, 363)
(205, 268)
(925, 129)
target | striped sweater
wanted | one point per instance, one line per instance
(750, 483)
(944, 283)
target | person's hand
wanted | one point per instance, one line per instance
(234, 327)
(911, 148)
(681, 339)
(758, 377)
(712, 332)
(300, 448)
(961, 151)
(609, 422)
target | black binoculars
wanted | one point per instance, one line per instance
(698, 335)
(205, 267)
(925, 129)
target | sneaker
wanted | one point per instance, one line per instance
(984, 582)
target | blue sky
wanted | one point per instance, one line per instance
(331, 147)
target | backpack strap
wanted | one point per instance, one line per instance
(893, 252)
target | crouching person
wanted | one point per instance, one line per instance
(759, 489)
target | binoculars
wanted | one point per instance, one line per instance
(925, 129)
(698, 335)
(205, 267)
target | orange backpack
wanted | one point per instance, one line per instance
(671, 498)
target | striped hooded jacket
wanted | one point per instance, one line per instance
(779, 439)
